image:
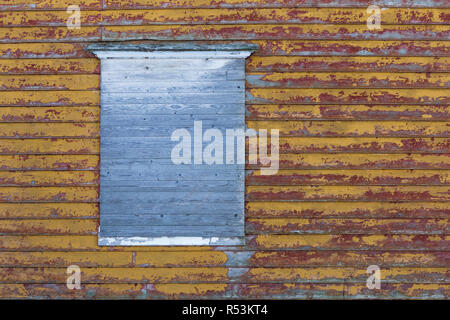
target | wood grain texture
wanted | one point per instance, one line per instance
(50, 114)
(49, 66)
(266, 48)
(347, 64)
(363, 165)
(116, 4)
(347, 112)
(263, 32)
(369, 243)
(224, 291)
(187, 190)
(202, 16)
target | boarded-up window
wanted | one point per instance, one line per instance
(170, 167)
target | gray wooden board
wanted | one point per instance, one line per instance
(171, 109)
(172, 231)
(169, 173)
(172, 86)
(227, 219)
(144, 97)
(175, 185)
(142, 192)
(142, 208)
(159, 195)
(172, 121)
(152, 131)
(166, 65)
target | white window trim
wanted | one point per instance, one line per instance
(170, 51)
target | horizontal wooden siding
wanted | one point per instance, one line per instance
(364, 151)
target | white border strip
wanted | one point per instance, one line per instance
(105, 54)
(169, 241)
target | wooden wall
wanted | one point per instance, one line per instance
(364, 141)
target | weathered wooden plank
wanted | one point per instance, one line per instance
(49, 194)
(150, 231)
(155, 66)
(49, 34)
(371, 145)
(111, 118)
(49, 162)
(346, 96)
(390, 291)
(49, 146)
(348, 112)
(349, 226)
(305, 243)
(52, 243)
(322, 161)
(347, 80)
(153, 188)
(164, 220)
(363, 161)
(347, 291)
(225, 291)
(169, 194)
(49, 66)
(168, 98)
(172, 109)
(65, 259)
(263, 32)
(352, 48)
(50, 98)
(359, 210)
(141, 146)
(293, 258)
(40, 18)
(49, 178)
(346, 193)
(261, 15)
(49, 114)
(140, 4)
(227, 16)
(49, 226)
(175, 86)
(43, 50)
(234, 259)
(158, 147)
(48, 210)
(48, 4)
(147, 130)
(353, 128)
(49, 82)
(229, 275)
(31, 130)
(157, 291)
(120, 275)
(266, 48)
(349, 242)
(349, 177)
(298, 145)
(347, 64)
(169, 74)
(145, 208)
(143, 174)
